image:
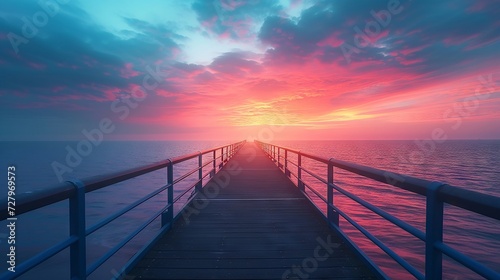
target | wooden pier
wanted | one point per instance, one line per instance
(250, 222)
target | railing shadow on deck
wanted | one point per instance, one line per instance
(436, 194)
(75, 191)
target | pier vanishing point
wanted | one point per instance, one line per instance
(248, 216)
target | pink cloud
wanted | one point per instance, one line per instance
(332, 40)
(407, 62)
(408, 51)
(165, 93)
(111, 93)
(128, 71)
(313, 94)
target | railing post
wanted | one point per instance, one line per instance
(221, 158)
(278, 158)
(214, 164)
(299, 172)
(287, 172)
(433, 233)
(200, 173)
(333, 216)
(168, 216)
(78, 250)
(274, 153)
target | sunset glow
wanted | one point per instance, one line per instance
(226, 69)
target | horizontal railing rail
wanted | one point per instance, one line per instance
(75, 191)
(436, 194)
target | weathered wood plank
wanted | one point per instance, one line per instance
(238, 273)
(256, 225)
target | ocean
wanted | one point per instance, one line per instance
(474, 165)
(471, 164)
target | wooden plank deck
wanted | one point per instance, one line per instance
(258, 226)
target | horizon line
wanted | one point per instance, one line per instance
(227, 140)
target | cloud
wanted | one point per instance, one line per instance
(234, 19)
(287, 57)
(268, 85)
(72, 58)
(445, 34)
(235, 63)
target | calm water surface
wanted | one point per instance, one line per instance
(473, 165)
(469, 164)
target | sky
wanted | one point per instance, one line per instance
(256, 69)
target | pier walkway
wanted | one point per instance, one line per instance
(253, 211)
(250, 222)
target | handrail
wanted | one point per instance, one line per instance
(436, 193)
(74, 191)
(42, 197)
(480, 203)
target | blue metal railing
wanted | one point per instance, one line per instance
(436, 194)
(75, 191)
